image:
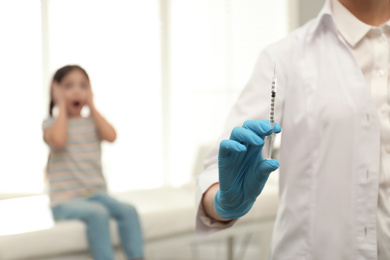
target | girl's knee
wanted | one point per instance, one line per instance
(130, 210)
(97, 213)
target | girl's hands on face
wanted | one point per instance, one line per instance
(58, 93)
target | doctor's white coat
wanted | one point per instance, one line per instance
(330, 147)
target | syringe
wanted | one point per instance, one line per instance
(272, 113)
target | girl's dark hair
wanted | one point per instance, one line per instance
(58, 77)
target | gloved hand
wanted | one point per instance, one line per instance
(242, 170)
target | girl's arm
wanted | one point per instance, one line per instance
(105, 129)
(56, 134)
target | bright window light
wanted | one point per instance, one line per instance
(22, 153)
(209, 50)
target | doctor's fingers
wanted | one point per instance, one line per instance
(246, 137)
(256, 180)
(264, 168)
(261, 127)
(228, 146)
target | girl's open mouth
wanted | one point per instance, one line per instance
(76, 103)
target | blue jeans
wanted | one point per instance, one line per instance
(95, 212)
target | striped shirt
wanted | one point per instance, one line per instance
(75, 171)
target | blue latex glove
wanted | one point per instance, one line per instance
(242, 170)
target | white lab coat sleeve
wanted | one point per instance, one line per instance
(252, 104)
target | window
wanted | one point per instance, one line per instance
(21, 97)
(165, 73)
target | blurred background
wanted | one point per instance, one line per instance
(165, 73)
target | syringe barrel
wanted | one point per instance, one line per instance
(273, 96)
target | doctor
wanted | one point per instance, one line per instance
(333, 106)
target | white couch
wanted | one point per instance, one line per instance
(167, 217)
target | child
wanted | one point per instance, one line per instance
(76, 183)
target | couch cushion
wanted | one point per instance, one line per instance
(164, 212)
